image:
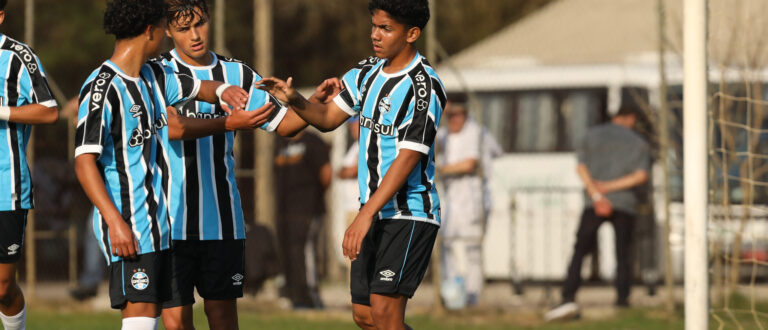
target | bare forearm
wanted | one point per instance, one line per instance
(183, 128)
(586, 178)
(628, 181)
(405, 162)
(207, 91)
(291, 125)
(93, 185)
(466, 166)
(34, 114)
(316, 114)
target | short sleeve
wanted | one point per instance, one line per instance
(33, 84)
(349, 99)
(258, 98)
(175, 87)
(94, 118)
(423, 115)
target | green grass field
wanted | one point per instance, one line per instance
(629, 319)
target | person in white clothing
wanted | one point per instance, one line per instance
(461, 158)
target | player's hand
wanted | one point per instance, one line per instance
(603, 207)
(122, 241)
(327, 90)
(353, 237)
(282, 90)
(234, 97)
(246, 120)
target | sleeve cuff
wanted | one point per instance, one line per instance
(344, 106)
(272, 125)
(49, 103)
(195, 89)
(415, 147)
(88, 149)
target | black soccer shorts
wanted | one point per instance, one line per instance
(12, 226)
(216, 268)
(393, 259)
(144, 279)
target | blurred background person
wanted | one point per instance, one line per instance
(302, 174)
(614, 160)
(464, 156)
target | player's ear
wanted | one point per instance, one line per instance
(2, 16)
(412, 34)
(148, 31)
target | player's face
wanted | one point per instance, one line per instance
(156, 39)
(190, 36)
(389, 37)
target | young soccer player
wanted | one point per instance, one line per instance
(207, 226)
(25, 100)
(121, 152)
(399, 99)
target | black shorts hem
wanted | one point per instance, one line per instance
(122, 302)
(172, 303)
(10, 259)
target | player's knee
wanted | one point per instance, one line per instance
(7, 289)
(381, 313)
(172, 323)
(363, 320)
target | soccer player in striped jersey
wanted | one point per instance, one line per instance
(122, 154)
(25, 100)
(400, 100)
(207, 225)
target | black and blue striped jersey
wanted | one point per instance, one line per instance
(22, 82)
(203, 198)
(397, 111)
(123, 120)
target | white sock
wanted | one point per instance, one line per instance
(15, 322)
(139, 323)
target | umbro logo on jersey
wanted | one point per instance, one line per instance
(238, 279)
(388, 274)
(377, 127)
(13, 249)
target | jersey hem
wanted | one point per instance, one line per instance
(413, 218)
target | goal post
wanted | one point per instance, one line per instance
(695, 164)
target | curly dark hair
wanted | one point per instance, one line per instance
(412, 13)
(184, 10)
(2, 4)
(128, 18)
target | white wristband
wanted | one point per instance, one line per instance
(5, 113)
(221, 88)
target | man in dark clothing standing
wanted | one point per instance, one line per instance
(302, 173)
(613, 161)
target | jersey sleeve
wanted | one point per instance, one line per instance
(258, 98)
(350, 98)
(94, 119)
(176, 87)
(424, 111)
(33, 84)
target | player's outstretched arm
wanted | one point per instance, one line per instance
(292, 124)
(30, 114)
(394, 180)
(121, 238)
(180, 127)
(325, 117)
(224, 94)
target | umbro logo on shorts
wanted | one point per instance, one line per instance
(13, 249)
(238, 279)
(388, 274)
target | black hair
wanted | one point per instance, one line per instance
(128, 18)
(412, 13)
(185, 10)
(2, 4)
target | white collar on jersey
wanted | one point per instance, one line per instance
(119, 71)
(416, 60)
(196, 67)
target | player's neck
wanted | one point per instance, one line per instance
(401, 60)
(129, 56)
(204, 60)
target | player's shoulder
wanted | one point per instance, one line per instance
(231, 61)
(162, 58)
(17, 47)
